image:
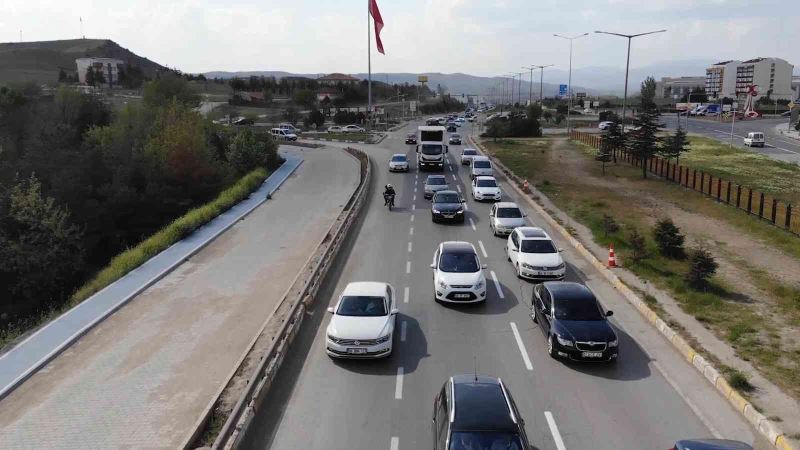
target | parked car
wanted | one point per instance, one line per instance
(363, 322)
(353, 129)
(467, 154)
(505, 217)
(434, 184)
(243, 121)
(710, 444)
(335, 129)
(485, 188)
(754, 139)
(534, 255)
(398, 163)
(458, 273)
(573, 322)
(605, 125)
(480, 166)
(476, 413)
(455, 139)
(447, 205)
(471, 118)
(411, 138)
(283, 135)
(451, 127)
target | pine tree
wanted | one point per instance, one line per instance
(604, 152)
(643, 141)
(90, 79)
(675, 145)
(668, 238)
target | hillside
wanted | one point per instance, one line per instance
(41, 61)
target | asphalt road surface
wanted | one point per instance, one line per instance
(778, 146)
(650, 398)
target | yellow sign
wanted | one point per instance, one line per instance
(792, 104)
(422, 79)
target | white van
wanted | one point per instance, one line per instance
(283, 135)
(289, 127)
(754, 139)
(480, 166)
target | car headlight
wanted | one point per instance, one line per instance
(436, 211)
(442, 284)
(479, 284)
(613, 343)
(564, 342)
(561, 266)
(527, 266)
(333, 338)
(382, 339)
(460, 211)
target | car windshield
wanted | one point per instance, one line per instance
(481, 164)
(448, 197)
(399, 158)
(537, 246)
(573, 309)
(411, 136)
(459, 262)
(484, 440)
(362, 306)
(509, 213)
(455, 136)
(429, 149)
(438, 181)
(487, 183)
(470, 152)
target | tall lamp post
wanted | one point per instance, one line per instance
(569, 86)
(519, 88)
(541, 79)
(628, 64)
(530, 88)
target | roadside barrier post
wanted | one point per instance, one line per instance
(774, 209)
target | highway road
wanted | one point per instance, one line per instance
(650, 398)
(778, 146)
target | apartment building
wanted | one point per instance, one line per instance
(732, 79)
(721, 79)
(677, 87)
(108, 67)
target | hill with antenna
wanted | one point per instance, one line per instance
(41, 61)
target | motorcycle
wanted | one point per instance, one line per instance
(388, 200)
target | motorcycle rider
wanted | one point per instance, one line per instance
(388, 194)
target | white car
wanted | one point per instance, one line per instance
(505, 217)
(605, 125)
(398, 163)
(480, 166)
(434, 184)
(353, 129)
(755, 139)
(283, 135)
(335, 129)
(467, 154)
(534, 255)
(363, 321)
(485, 188)
(290, 128)
(458, 274)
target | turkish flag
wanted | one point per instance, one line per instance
(376, 15)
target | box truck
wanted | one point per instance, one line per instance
(432, 147)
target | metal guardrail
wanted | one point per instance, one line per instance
(238, 421)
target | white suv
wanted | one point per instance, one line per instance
(363, 322)
(480, 166)
(534, 255)
(458, 273)
(485, 188)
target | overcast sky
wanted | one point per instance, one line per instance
(481, 37)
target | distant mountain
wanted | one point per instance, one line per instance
(40, 61)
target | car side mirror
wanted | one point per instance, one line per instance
(484, 266)
(560, 249)
(330, 309)
(609, 313)
(418, 149)
(446, 148)
(395, 311)
(433, 266)
(524, 215)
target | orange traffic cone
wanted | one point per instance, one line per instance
(612, 259)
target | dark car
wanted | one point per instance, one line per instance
(243, 121)
(411, 139)
(477, 412)
(710, 444)
(447, 205)
(451, 128)
(455, 139)
(573, 322)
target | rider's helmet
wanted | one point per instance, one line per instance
(389, 186)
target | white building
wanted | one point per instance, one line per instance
(721, 79)
(108, 67)
(796, 86)
(677, 87)
(771, 76)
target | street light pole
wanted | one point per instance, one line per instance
(569, 85)
(627, 65)
(519, 88)
(541, 79)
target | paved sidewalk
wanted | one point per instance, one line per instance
(142, 377)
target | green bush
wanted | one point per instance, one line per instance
(638, 246)
(609, 225)
(701, 267)
(668, 238)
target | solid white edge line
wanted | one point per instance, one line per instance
(405, 294)
(403, 326)
(483, 249)
(395, 443)
(497, 285)
(554, 431)
(688, 401)
(472, 224)
(521, 346)
(408, 266)
(398, 387)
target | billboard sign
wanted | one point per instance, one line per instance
(412, 106)
(580, 94)
(422, 79)
(562, 90)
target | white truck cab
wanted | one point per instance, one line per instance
(432, 147)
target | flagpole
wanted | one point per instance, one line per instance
(369, 69)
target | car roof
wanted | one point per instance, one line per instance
(485, 177)
(712, 444)
(445, 191)
(398, 154)
(506, 205)
(533, 233)
(480, 403)
(568, 290)
(458, 247)
(480, 158)
(469, 150)
(365, 288)
(436, 176)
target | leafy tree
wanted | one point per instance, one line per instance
(609, 225)
(100, 77)
(609, 116)
(547, 116)
(615, 137)
(668, 238)
(62, 76)
(648, 93)
(169, 87)
(638, 246)
(305, 98)
(267, 97)
(246, 152)
(562, 108)
(559, 118)
(643, 141)
(702, 266)
(675, 145)
(90, 78)
(291, 115)
(315, 118)
(697, 95)
(604, 152)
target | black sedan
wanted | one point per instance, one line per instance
(411, 139)
(447, 205)
(710, 444)
(573, 322)
(451, 128)
(455, 139)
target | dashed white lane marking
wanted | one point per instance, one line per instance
(483, 249)
(411, 231)
(472, 224)
(497, 285)
(398, 387)
(408, 266)
(415, 197)
(521, 346)
(459, 188)
(454, 177)
(688, 401)
(395, 443)
(409, 246)
(415, 189)
(405, 294)
(412, 218)
(466, 207)
(554, 430)
(403, 326)
(413, 206)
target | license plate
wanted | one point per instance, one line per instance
(542, 273)
(447, 216)
(462, 296)
(592, 354)
(356, 351)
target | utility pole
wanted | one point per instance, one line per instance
(569, 85)
(627, 66)
(530, 88)
(519, 88)
(369, 70)
(541, 80)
